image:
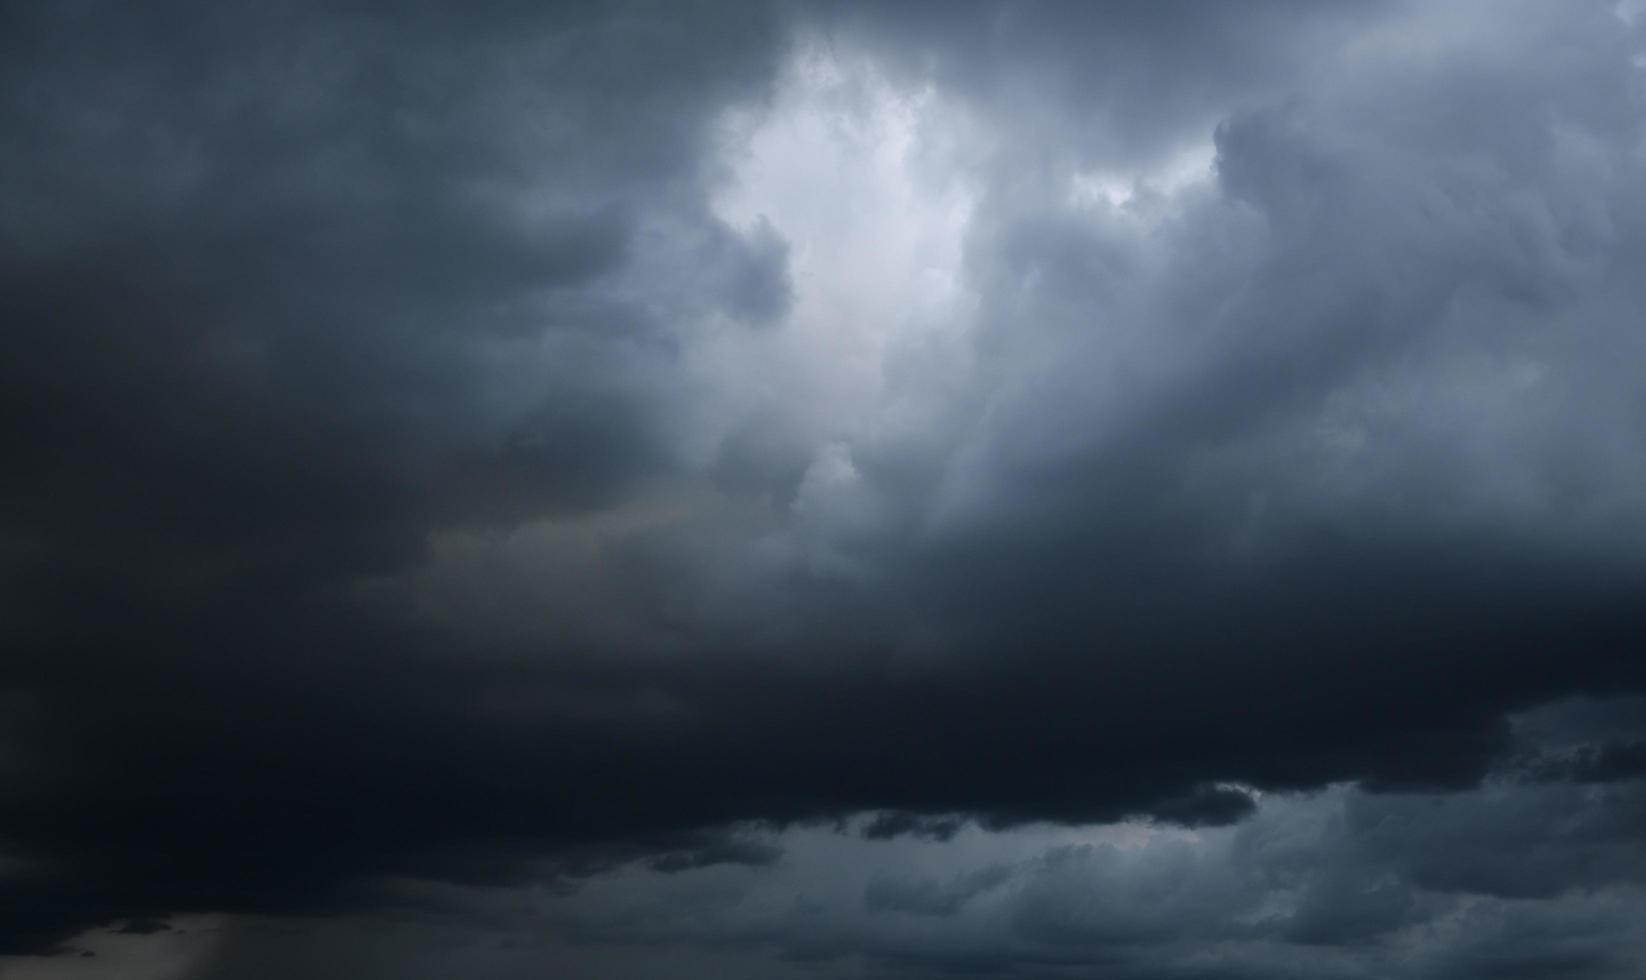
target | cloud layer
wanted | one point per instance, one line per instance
(1140, 471)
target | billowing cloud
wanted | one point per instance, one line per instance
(1014, 487)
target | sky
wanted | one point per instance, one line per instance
(804, 490)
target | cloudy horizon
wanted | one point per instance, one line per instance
(823, 489)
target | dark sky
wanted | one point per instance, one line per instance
(823, 490)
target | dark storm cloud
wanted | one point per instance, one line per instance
(282, 294)
(380, 503)
(1340, 883)
(885, 826)
(287, 258)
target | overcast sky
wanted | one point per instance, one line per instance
(810, 490)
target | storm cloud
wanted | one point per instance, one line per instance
(823, 488)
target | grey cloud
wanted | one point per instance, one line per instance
(924, 896)
(758, 287)
(288, 294)
(1341, 883)
(1205, 806)
(888, 825)
(750, 853)
(413, 475)
(1102, 80)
